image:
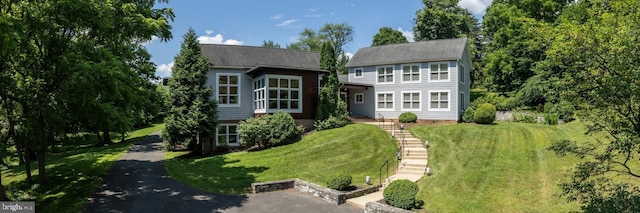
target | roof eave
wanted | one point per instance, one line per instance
(283, 67)
(403, 62)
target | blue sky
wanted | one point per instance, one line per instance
(243, 22)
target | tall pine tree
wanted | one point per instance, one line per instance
(328, 98)
(192, 113)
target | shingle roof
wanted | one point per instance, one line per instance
(434, 50)
(247, 57)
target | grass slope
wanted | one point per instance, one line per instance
(496, 168)
(357, 148)
(73, 174)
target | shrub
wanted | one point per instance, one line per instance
(524, 117)
(283, 129)
(566, 111)
(401, 194)
(269, 130)
(331, 123)
(501, 103)
(551, 118)
(468, 114)
(339, 181)
(485, 114)
(408, 117)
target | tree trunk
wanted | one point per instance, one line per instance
(20, 149)
(27, 164)
(100, 143)
(106, 138)
(41, 149)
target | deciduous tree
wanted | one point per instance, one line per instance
(386, 35)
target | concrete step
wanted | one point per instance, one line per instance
(415, 150)
(360, 202)
(413, 146)
(410, 172)
(414, 157)
(411, 177)
(413, 168)
(408, 162)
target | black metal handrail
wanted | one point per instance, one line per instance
(386, 163)
(381, 120)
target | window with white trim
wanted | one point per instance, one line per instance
(411, 100)
(259, 95)
(385, 74)
(284, 93)
(462, 73)
(227, 135)
(439, 72)
(228, 90)
(357, 73)
(358, 98)
(384, 101)
(411, 73)
(439, 100)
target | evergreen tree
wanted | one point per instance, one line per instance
(191, 110)
(328, 98)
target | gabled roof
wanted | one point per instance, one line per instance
(423, 51)
(248, 57)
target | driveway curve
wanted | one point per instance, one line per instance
(138, 182)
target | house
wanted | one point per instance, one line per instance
(430, 79)
(250, 81)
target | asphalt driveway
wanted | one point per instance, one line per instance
(138, 182)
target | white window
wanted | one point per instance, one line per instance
(259, 95)
(411, 101)
(227, 135)
(228, 91)
(439, 72)
(358, 98)
(439, 100)
(411, 73)
(385, 74)
(358, 73)
(462, 73)
(284, 93)
(384, 101)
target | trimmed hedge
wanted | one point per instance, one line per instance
(401, 194)
(331, 123)
(485, 114)
(408, 117)
(339, 181)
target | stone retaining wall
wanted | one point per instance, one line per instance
(377, 207)
(329, 195)
(272, 186)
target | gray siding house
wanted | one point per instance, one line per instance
(248, 81)
(429, 78)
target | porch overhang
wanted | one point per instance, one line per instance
(347, 86)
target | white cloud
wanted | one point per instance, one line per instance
(153, 38)
(348, 54)
(217, 39)
(286, 23)
(276, 17)
(408, 34)
(164, 70)
(314, 9)
(476, 7)
(312, 16)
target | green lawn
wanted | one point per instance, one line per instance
(359, 149)
(504, 167)
(73, 173)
